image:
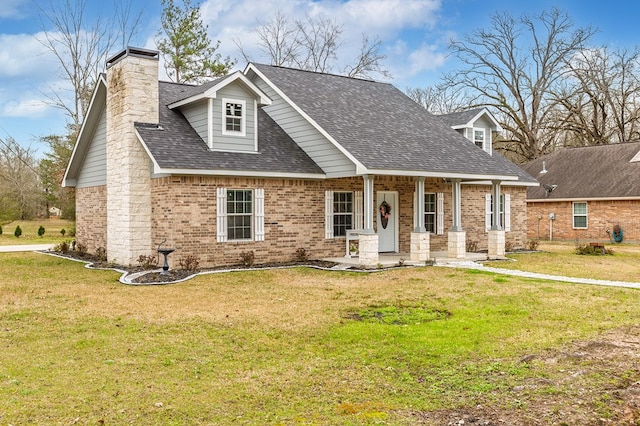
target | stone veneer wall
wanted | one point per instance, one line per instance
(184, 213)
(132, 96)
(91, 217)
(601, 215)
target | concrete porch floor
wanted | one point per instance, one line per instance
(393, 259)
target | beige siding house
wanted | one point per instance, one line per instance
(272, 159)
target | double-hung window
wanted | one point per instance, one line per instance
(342, 213)
(580, 215)
(430, 212)
(234, 115)
(505, 212)
(479, 137)
(240, 215)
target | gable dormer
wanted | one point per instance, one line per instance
(224, 113)
(477, 125)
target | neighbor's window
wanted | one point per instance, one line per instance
(234, 116)
(579, 215)
(430, 212)
(342, 213)
(478, 137)
(239, 214)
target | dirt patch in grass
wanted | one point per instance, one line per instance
(561, 396)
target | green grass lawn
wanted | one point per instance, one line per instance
(52, 234)
(294, 346)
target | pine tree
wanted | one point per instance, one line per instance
(189, 55)
(18, 231)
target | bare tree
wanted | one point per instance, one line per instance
(440, 98)
(601, 98)
(513, 68)
(20, 191)
(82, 44)
(313, 44)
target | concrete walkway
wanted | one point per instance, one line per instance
(535, 275)
(26, 247)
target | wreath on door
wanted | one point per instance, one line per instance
(385, 213)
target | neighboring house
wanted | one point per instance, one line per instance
(587, 191)
(273, 159)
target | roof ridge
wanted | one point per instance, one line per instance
(319, 73)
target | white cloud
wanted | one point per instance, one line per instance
(28, 107)
(22, 55)
(12, 8)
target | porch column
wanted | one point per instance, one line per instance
(420, 244)
(496, 233)
(368, 244)
(457, 244)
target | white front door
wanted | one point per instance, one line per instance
(387, 221)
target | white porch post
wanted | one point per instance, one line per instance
(496, 234)
(368, 245)
(456, 237)
(420, 244)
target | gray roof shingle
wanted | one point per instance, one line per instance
(380, 126)
(601, 171)
(176, 145)
(459, 118)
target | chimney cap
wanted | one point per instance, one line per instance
(132, 51)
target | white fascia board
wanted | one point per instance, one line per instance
(507, 183)
(89, 117)
(564, 200)
(212, 92)
(490, 116)
(156, 166)
(311, 121)
(446, 175)
(238, 173)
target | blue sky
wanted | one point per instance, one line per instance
(414, 34)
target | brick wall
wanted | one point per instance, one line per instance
(91, 217)
(601, 216)
(184, 212)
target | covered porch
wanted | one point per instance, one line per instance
(389, 260)
(376, 243)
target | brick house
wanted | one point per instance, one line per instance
(587, 191)
(273, 159)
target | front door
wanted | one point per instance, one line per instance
(387, 221)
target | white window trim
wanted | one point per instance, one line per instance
(243, 118)
(357, 219)
(257, 207)
(439, 224)
(505, 214)
(573, 215)
(484, 137)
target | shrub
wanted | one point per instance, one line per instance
(588, 249)
(247, 258)
(508, 246)
(63, 231)
(189, 263)
(302, 255)
(0, 230)
(101, 254)
(72, 232)
(533, 244)
(62, 247)
(18, 231)
(81, 249)
(41, 231)
(147, 261)
(471, 246)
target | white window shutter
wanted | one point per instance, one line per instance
(487, 209)
(328, 210)
(358, 216)
(259, 214)
(440, 213)
(222, 215)
(507, 212)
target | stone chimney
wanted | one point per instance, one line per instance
(132, 96)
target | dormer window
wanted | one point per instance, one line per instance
(234, 116)
(478, 138)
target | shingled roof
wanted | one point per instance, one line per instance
(175, 145)
(462, 117)
(380, 126)
(601, 171)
